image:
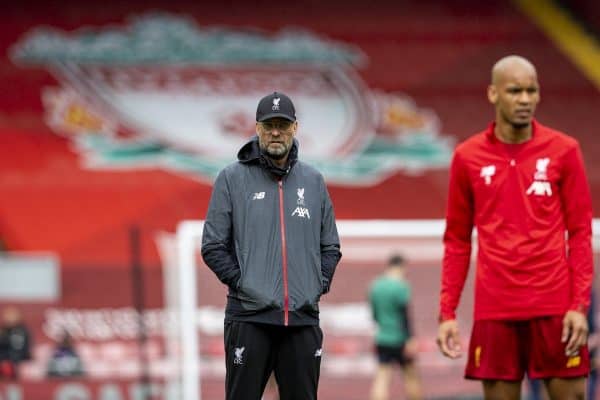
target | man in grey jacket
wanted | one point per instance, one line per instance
(270, 236)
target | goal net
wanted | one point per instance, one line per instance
(197, 300)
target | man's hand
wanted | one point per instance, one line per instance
(574, 333)
(411, 348)
(448, 339)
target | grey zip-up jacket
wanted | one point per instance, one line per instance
(270, 236)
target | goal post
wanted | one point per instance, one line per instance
(362, 240)
(189, 234)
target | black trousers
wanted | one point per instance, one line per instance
(253, 351)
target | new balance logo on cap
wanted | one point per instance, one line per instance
(318, 353)
(275, 105)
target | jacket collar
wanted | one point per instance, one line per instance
(250, 153)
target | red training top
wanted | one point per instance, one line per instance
(521, 198)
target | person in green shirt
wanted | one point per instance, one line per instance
(389, 297)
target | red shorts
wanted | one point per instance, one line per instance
(505, 350)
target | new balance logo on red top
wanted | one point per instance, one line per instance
(487, 172)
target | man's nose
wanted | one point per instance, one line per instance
(524, 97)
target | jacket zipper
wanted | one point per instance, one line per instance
(286, 300)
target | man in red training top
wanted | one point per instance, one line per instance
(523, 186)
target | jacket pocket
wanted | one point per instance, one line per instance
(310, 305)
(252, 300)
(250, 293)
(306, 281)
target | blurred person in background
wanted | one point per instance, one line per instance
(523, 186)
(8, 368)
(270, 236)
(389, 298)
(15, 342)
(593, 343)
(537, 390)
(65, 362)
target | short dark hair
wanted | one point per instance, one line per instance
(396, 260)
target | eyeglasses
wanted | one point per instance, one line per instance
(281, 126)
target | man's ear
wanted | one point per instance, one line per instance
(492, 94)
